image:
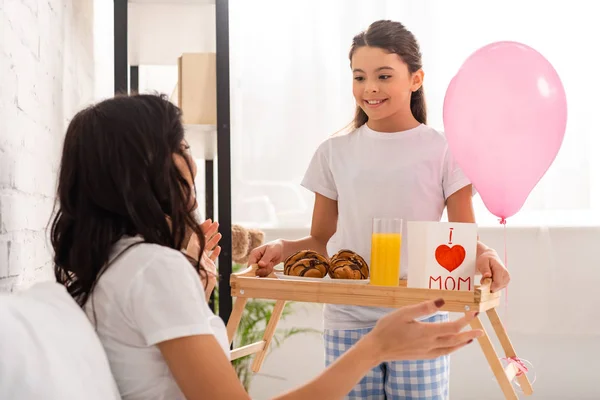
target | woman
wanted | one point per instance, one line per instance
(126, 202)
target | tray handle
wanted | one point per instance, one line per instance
(485, 285)
(250, 272)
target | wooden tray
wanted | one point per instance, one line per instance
(246, 285)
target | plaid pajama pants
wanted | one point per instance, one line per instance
(398, 380)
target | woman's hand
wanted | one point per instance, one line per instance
(209, 280)
(211, 238)
(398, 336)
(210, 274)
(211, 241)
(489, 265)
(210, 254)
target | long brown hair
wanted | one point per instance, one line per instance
(117, 178)
(393, 37)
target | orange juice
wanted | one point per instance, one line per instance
(385, 259)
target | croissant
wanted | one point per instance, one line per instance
(346, 264)
(306, 263)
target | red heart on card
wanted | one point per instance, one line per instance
(450, 258)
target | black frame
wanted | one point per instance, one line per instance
(121, 50)
(134, 79)
(124, 85)
(224, 157)
(209, 208)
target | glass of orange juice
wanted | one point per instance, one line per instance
(386, 244)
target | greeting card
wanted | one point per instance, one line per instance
(441, 255)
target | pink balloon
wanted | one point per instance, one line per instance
(505, 115)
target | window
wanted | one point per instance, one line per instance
(291, 88)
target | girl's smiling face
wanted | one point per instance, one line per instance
(382, 84)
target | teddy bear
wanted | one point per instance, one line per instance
(243, 241)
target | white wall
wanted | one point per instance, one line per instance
(553, 321)
(46, 75)
(177, 27)
(104, 43)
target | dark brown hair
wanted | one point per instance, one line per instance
(393, 37)
(118, 178)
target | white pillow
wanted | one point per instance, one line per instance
(49, 350)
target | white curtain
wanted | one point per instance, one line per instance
(291, 88)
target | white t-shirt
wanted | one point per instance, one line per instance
(406, 175)
(48, 349)
(149, 294)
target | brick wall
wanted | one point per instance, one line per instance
(46, 75)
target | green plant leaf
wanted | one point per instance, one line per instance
(252, 329)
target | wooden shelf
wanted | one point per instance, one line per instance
(203, 140)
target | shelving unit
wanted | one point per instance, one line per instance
(203, 140)
(157, 32)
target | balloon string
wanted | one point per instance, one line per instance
(518, 363)
(523, 367)
(503, 222)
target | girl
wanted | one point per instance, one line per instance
(126, 198)
(390, 165)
